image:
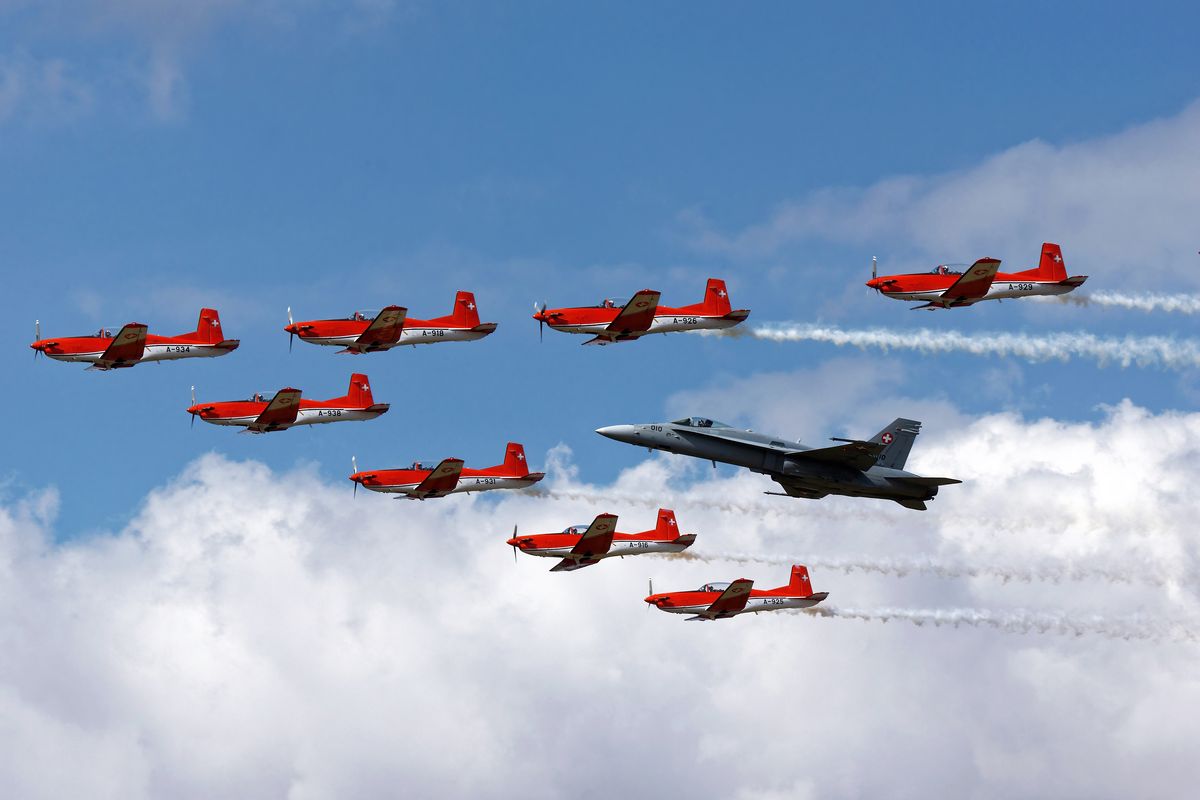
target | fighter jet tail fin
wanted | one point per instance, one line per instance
(897, 439)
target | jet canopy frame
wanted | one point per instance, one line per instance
(700, 422)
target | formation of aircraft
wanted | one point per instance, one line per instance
(946, 286)
(855, 468)
(133, 344)
(287, 409)
(724, 600)
(372, 331)
(427, 479)
(616, 321)
(583, 545)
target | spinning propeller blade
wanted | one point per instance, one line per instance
(291, 334)
(541, 320)
(514, 546)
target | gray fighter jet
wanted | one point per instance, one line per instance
(855, 468)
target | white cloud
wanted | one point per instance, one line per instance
(40, 91)
(1121, 205)
(161, 37)
(253, 633)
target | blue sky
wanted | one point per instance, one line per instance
(330, 159)
(196, 613)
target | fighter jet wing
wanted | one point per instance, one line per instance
(441, 480)
(126, 347)
(637, 315)
(384, 329)
(595, 542)
(854, 454)
(279, 413)
(970, 286)
(731, 601)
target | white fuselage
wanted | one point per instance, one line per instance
(152, 352)
(753, 605)
(306, 416)
(408, 336)
(661, 324)
(999, 290)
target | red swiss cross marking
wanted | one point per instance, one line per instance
(886, 438)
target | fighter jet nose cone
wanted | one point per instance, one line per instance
(622, 433)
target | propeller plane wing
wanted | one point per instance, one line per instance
(280, 413)
(441, 480)
(126, 348)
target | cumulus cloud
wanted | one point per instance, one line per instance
(1121, 205)
(256, 633)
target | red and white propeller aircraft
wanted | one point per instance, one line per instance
(613, 322)
(286, 409)
(426, 479)
(947, 287)
(111, 348)
(584, 545)
(722, 600)
(367, 331)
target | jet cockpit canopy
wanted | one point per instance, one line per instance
(700, 422)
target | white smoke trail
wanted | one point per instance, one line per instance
(1143, 351)
(1138, 627)
(1177, 303)
(902, 567)
(878, 512)
(663, 500)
